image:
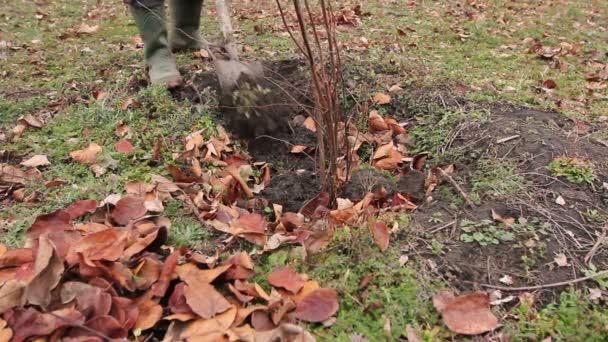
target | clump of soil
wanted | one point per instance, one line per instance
(363, 181)
(292, 189)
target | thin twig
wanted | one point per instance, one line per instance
(596, 246)
(545, 286)
(455, 184)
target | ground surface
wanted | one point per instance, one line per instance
(514, 94)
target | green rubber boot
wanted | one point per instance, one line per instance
(159, 59)
(186, 21)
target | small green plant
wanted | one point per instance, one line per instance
(436, 217)
(496, 178)
(594, 215)
(574, 169)
(484, 232)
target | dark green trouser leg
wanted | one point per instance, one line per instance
(150, 19)
(186, 21)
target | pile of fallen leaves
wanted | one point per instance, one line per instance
(112, 277)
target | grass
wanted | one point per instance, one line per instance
(491, 64)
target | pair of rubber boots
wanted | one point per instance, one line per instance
(160, 44)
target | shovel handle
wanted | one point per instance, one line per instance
(223, 15)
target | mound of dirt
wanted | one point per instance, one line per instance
(292, 189)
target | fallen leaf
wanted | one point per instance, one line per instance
(298, 149)
(127, 209)
(309, 208)
(88, 155)
(29, 322)
(86, 29)
(35, 161)
(16, 257)
(548, 84)
(381, 234)
(506, 279)
(376, 122)
(561, 260)
(82, 207)
(467, 314)
(12, 174)
(317, 306)
(123, 146)
(411, 334)
(12, 294)
(310, 124)
(6, 333)
(57, 221)
(594, 293)
(508, 221)
(48, 268)
(205, 301)
(150, 313)
(381, 98)
(288, 279)
(105, 245)
(210, 327)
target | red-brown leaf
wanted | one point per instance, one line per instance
(150, 313)
(205, 301)
(309, 208)
(123, 146)
(468, 314)
(166, 274)
(53, 222)
(16, 257)
(288, 279)
(381, 234)
(79, 208)
(177, 301)
(103, 245)
(318, 306)
(128, 208)
(29, 322)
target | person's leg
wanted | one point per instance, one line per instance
(150, 18)
(185, 29)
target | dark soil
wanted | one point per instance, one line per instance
(541, 136)
(292, 189)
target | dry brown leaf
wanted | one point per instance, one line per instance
(381, 98)
(318, 306)
(288, 279)
(123, 146)
(150, 313)
(88, 155)
(127, 209)
(298, 149)
(212, 326)
(467, 314)
(12, 174)
(48, 268)
(192, 275)
(35, 161)
(86, 29)
(310, 124)
(205, 301)
(381, 234)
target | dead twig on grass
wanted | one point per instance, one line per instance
(596, 246)
(545, 286)
(455, 184)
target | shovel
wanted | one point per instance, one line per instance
(232, 72)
